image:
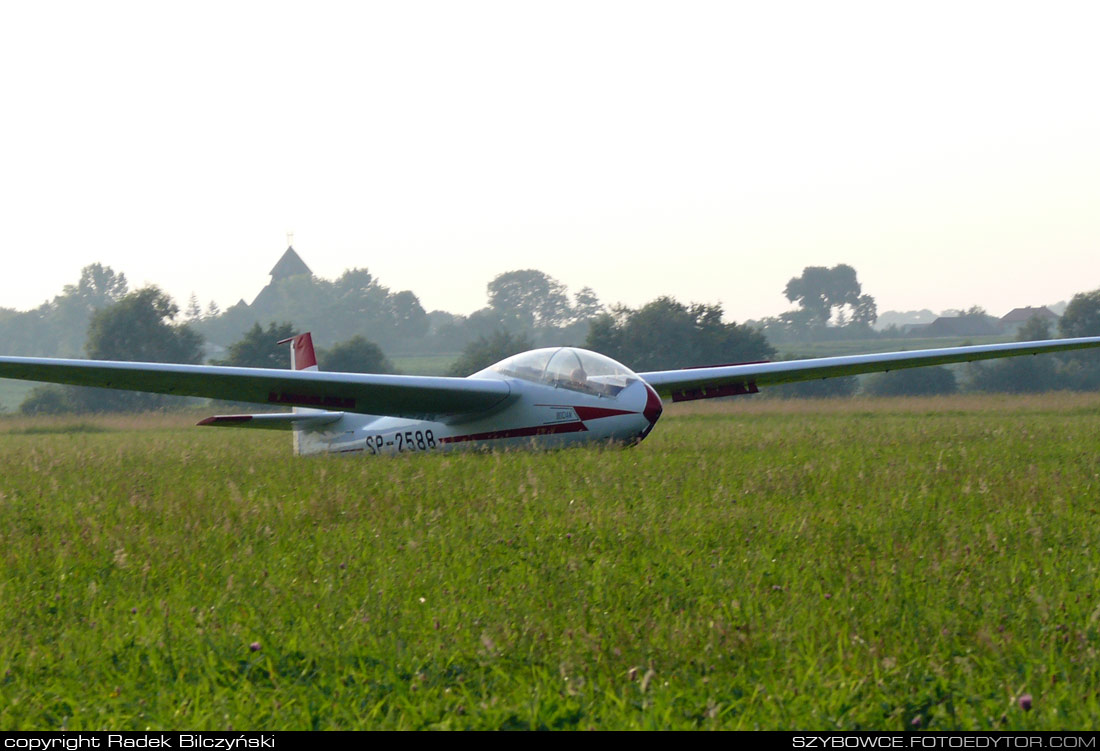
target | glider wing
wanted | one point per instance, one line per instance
(419, 397)
(727, 380)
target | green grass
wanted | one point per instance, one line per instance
(750, 565)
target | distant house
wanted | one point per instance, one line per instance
(1017, 317)
(290, 265)
(976, 325)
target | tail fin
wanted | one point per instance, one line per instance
(302, 357)
(314, 430)
(301, 352)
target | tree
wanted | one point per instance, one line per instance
(487, 350)
(410, 321)
(98, 287)
(665, 334)
(259, 348)
(933, 381)
(1020, 375)
(1082, 315)
(820, 289)
(866, 312)
(528, 298)
(1035, 329)
(138, 327)
(48, 400)
(586, 305)
(58, 327)
(194, 310)
(356, 355)
(821, 388)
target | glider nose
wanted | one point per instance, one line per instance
(652, 411)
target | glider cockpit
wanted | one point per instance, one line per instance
(567, 368)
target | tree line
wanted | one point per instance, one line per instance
(101, 318)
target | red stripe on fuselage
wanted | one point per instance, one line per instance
(225, 418)
(595, 413)
(493, 435)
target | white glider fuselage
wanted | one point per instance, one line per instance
(534, 415)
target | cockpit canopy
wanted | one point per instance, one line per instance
(567, 368)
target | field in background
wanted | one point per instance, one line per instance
(12, 393)
(430, 365)
(753, 564)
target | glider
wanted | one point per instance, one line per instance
(545, 398)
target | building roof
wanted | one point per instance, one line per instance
(979, 325)
(289, 265)
(1022, 315)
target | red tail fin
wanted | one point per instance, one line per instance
(301, 352)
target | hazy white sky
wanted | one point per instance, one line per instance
(950, 152)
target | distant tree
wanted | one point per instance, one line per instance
(194, 310)
(138, 327)
(57, 328)
(1035, 329)
(528, 298)
(820, 388)
(1082, 315)
(1081, 370)
(1020, 375)
(933, 381)
(819, 290)
(98, 287)
(586, 305)
(259, 347)
(212, 310)
(485, 322)
(486, 351)
(668, 334)
(48, 400)
(866, 311)
(356, 355)
(409, 319)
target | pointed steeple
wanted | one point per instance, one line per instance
(289, 265)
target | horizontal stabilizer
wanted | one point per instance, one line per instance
(277, 421)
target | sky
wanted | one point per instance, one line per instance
(950, 152)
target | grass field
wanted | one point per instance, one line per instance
(757, 564)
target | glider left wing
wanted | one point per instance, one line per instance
(728, 380)
(418, 397)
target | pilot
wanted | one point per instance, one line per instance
(578, 379)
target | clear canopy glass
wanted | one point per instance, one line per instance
(568, 368)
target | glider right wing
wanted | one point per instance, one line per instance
(728, 380)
